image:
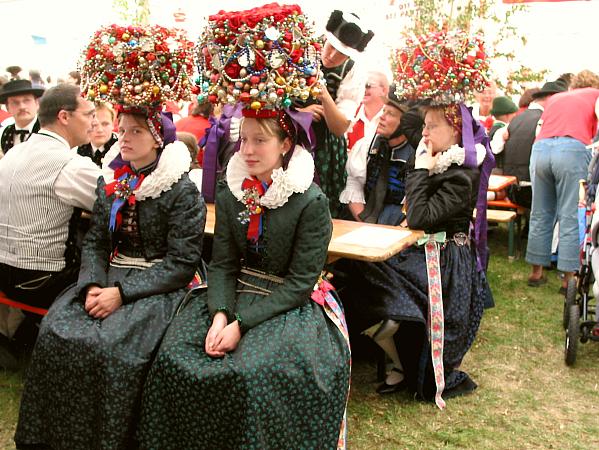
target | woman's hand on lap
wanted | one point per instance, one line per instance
(104, 303)
(219, 322)
(229, 337)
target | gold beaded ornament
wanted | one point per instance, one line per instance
(445, 66)
(138, 67)
(265, 58)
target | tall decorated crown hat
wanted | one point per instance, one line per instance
(444, 66)
(138, 68)
(264, 58)
(447, 67)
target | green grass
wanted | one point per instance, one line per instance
(527, 397)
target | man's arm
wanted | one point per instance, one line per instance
(76, 183)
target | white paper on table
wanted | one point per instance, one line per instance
(367, 236)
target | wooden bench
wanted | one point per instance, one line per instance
(22, 306)
(504, 216)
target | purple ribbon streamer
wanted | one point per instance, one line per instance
(219, 131)
(469, 140)
(302, 121)
(169, 131)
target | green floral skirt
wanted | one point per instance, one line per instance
(284, 387)
(83, 388)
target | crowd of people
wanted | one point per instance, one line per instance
(162, 337)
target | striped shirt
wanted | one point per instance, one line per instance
(34, 219)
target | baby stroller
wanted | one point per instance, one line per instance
(580, 303)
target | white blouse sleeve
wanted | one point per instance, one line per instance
(351, 92)
(356, 165)
(498, 141)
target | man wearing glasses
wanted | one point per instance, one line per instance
(367, 117)
(42, 181)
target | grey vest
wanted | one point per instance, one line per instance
(34, 222)
(519, 145)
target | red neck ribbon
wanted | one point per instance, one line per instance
(253, 207)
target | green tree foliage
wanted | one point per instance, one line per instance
(135, 12)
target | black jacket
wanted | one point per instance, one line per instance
(442, 202)
(171, 228)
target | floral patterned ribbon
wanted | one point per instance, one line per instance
(436, 320)
(323, 294)
(125, 182)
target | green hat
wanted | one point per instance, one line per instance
(503, 105)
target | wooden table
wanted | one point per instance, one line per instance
(500, 182)
(391, 240)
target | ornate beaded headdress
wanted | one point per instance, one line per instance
(138, 68)
(264, 57)
(445, 66)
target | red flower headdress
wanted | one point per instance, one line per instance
(445, 66)
(263, 57)
(138, 68)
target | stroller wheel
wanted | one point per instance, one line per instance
(569, 300)
(572, 335)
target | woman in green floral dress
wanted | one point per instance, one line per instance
(256, 362)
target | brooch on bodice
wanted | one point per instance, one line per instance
(126, 181)
(253, 189)
(251, 200)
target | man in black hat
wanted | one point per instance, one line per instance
(346, 39)
(21, 99)
(386, 162)
(521, 134)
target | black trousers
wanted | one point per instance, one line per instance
(35, 287)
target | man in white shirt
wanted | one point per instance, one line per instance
(366, 120)
(42, 181)
(21, 99)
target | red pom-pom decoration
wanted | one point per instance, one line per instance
(264, 57)
(445, 66)
(137, 66)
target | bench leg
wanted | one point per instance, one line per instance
(510, 245)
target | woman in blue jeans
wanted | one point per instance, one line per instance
(559, 160)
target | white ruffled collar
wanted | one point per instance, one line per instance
(297, 178)
(174, 162)
(453, 155)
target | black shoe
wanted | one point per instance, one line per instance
(465, 387)
(536, 282)
(392, 388)
(8, 359)
(385, 388)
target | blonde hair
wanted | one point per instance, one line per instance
(107, 107)
(585, 79)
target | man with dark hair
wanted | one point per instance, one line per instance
(41, 182)
(21, 99)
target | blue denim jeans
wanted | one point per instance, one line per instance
(556, 166)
